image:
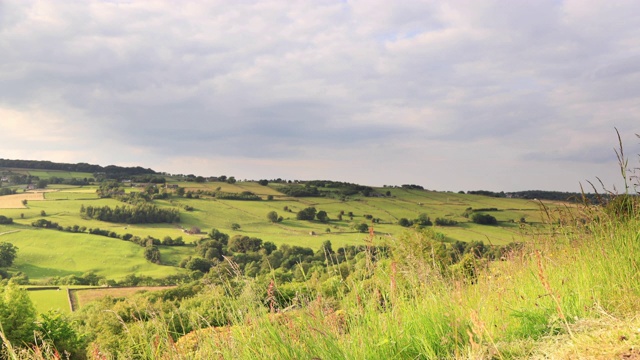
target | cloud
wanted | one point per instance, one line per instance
(284, 84)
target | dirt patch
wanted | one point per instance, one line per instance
(15, 201)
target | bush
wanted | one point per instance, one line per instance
(446, 222)
(272, 216)
(5, 220)
(362, 227)
(484, 219)
(306, 214)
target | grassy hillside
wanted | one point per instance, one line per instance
(46, 253)
(568, 291)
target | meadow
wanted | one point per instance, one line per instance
(47, 253)
(563, 292)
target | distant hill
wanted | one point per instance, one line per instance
(541, 195)
(79, 167)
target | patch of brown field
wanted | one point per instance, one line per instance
(15, 201)
(85, 296)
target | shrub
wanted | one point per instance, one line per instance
(484, 219)
(446, 222)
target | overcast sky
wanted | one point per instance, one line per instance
(462, 95)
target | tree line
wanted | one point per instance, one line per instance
(137, 214)
(79, 167)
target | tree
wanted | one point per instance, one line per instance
(326, 247)
(362, 227)
(404, 222)
(244, 244)
(152, 253)
(215, 234)
(109, 189)
(17, 314)
(306, 214)
(269, 247)
(5, 220)
(58, 330)
(263, 182)
(198, 264)
(180, 191)
(235, 226)
(231, 180)
(423, 220)
(7, 254)
(272, 216)
(322, 216)
(484, 219)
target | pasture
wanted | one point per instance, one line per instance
(45, 253)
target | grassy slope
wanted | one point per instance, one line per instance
(62, 205)
(45, 253)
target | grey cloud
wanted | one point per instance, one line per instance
(260, 79)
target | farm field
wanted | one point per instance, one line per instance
(15, 201)
(46, 253)
(57, 299)
(50, 299)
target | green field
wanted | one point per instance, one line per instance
(45, 253)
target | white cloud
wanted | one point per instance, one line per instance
(508, 89)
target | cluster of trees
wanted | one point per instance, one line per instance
(500, 194)
(138, 214)
(556, 196)
(5, 220)
(344, 188)
(42, 183)
(422, 220)
(253, 256)
(300, 191)
(149, 179)
(7, 191)
(445, 222)
(333, 188)
(307, 214)
(109, 189)
(412, 187)
(8, 253)
(273, 217)
(541, 195)
(142, 241)
(483, 219)
(44, 223)
(152, 253)
(21, 179)
(79, 167)
(245, 195)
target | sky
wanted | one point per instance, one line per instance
(449, 95)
